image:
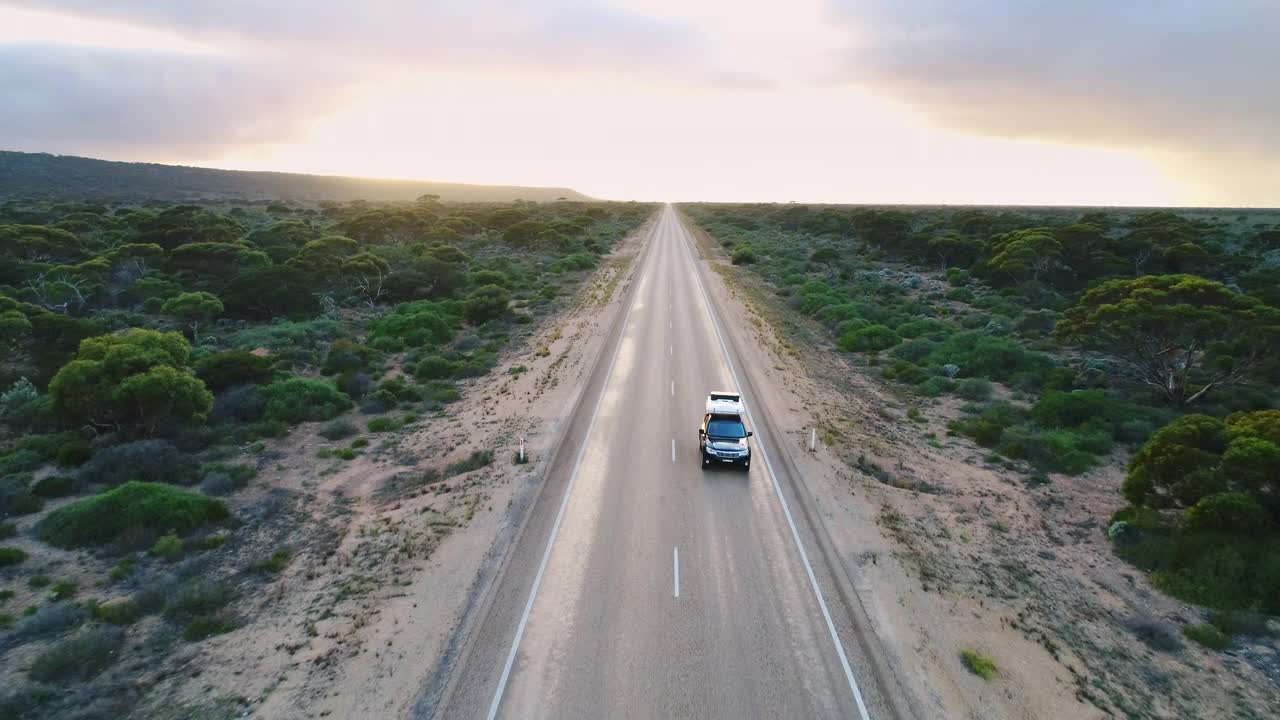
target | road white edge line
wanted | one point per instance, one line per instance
(555, 527)
(786, 511)
(675, 557)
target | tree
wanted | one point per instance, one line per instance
(954, 248)
(485, 303)
(1026, 254)
(194, 308)
(1203, 465)
(1181, 335)
(136, 381)
(324, 255)
(212, 264)
(269, 292)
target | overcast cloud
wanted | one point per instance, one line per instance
(1190, 77)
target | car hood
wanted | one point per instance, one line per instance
(724, 444)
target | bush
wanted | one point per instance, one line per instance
(299, 400)
(117, 612)
(152, 461)
(414, 324)
(354, 384)
(872, 338)
(436, 367)
(167, 548)
(54, 486)
(197, 598)
(743, 255)
(25, 505)
(915, 350)
(74, 453)
(103, 517)
(1227, 512)
(924, 327)
(1208, 636)
(8, 530)
(935, 386)
(79, 658)
(485, 303)
(980, 665)
(975, 389)
(474, 461)
(345, 355)
(338, 429)
(981, 355)
(379, 425)
(278, 561)
(236, 367)
(207, 626)
(12, 556)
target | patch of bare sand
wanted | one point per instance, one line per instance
(391, 546)
(948, 552)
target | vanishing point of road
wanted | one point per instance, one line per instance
(645, 586)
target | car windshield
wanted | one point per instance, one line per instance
(726, 429)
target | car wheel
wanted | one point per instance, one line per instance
(704, 461)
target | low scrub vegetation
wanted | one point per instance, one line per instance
(1073, 338)
(103, 517)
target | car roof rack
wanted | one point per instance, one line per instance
(725, 403)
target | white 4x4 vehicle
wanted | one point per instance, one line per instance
(722, 438)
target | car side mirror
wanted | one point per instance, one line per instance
(701, 431)
(749, 433)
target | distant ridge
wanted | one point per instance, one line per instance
(70, 177)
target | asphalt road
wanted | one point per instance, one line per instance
(645, 586)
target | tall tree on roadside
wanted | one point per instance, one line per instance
(1181, 335)
(194, 308)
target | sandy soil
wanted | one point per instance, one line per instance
(390, 557)
(948, 552)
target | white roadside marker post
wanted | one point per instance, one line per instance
(522, 449)
(813, 439)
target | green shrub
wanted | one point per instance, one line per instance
(62, 590)
(197, 598)
(74, 453)
(345, 454)
(743, 255)
(978, 664)
(235, 367)
(978, 354)
(338, 429)
(117, 612)
(486, 303)
(278, 561)
(415, 324)
(1208, 636)
(915, 350)
(1240, 622)
(207, 626)
(379, 425)
(436, 367)
(152, 461)
(345, 355)
(298, 400)
(976, 389)
(39, 581)
(935, 386)
(103, 517)
(8, 530)
(924, 327)
(1221, 571)
(1227, 512)
(54, 486)
(12, 556)
(872, 338)
(476, 460)
(79, 658)
(167, 548)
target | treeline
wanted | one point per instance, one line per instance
(146, 347)
(1071, 332)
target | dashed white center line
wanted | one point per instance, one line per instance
(673, 449)
(673, 388)
(671, 350)
(675, 556)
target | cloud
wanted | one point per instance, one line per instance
(151, 104)
(1192, 78)
(510, 34)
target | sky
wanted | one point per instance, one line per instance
(1088, 102)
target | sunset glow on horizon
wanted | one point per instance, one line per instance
(831, 102)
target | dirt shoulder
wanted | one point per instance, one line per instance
(396, 548)
(949, 553)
